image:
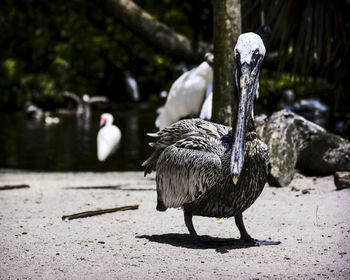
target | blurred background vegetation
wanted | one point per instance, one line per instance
(48, 47)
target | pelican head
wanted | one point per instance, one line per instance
(249, 53)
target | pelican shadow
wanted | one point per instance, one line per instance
(222, 245)
(116, 188)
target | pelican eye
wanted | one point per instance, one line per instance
(255, 58)
(238, 58)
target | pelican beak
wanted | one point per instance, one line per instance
(246, 82)
(235, 179)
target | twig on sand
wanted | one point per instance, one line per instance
(98, 212)
(317, 224)
(12, 187)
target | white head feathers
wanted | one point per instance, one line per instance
(247, 44)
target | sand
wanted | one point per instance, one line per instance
(35, 243)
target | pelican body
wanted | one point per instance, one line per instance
(210, 169)
(108, 137)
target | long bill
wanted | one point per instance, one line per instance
(246, 84)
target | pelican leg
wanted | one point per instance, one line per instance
(188, 221)
(245, 237)
(197, 239)
(160, 206)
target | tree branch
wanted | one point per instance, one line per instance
(155, 32)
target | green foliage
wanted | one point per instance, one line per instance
(311, 36)
(271, 89)
(49, 47)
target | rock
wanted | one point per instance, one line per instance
(277, 132)
(296, 143)
(323, 153)
(342, 180)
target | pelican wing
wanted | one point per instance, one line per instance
(187, 160)
(179, 131)
(188, 169)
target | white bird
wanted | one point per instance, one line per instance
(84, 103)
(33, 112)
(108, 137)
(187, 93)
(205, 113)
(163, 95)
(132, 87)
(49, 120)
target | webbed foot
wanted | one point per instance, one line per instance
(255, 242)
(247, 239)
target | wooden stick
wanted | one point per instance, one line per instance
(12, 187)
(98, 212)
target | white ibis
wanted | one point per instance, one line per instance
(108, 137)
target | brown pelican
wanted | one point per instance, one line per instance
(213, 170)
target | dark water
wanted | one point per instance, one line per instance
(71, 144)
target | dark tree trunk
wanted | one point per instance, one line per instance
(154, 32)
(227, 27)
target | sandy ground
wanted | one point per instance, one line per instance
(35, 243)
